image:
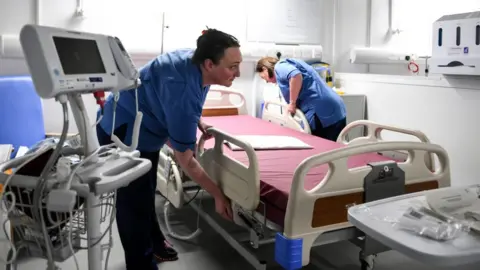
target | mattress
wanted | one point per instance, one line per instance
(277, 166)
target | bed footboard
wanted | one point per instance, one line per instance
(239, 182)
(373, 134)
(324, 208)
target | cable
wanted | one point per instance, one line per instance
(69, 240)
(103, 235)
(110, 239)
(29, 158)
(37, 194)
(108, 230)
(100, 98)
(413, 67)
(40, 184)
(136, 125)
(80, 164)
(12, 253)
(195, 234)
(193, 198)
(198, 231)
(13, 249)
(13, 197)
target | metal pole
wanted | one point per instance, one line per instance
(163, 32)
(93, 232)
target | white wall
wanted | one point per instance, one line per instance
(444, 108)
(139, 27)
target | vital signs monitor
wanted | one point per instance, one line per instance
(70, 63)
(64, 65)
(63, 61)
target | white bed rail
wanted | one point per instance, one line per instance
(239, 182)
(169, 179)
(169, 174)
(222, 99)
(284, 118)
(341, 180)
(374, 131)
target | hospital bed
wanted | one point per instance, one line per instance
(286, 197)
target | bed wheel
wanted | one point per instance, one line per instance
(367, 262)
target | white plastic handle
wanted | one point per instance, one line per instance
(224, 98)
(298, 117)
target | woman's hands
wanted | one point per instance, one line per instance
(203, 128)
(292, 108)
(223, 207)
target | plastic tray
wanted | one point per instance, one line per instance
(370, 218)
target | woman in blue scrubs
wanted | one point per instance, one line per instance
(303, 88)
(171, 97)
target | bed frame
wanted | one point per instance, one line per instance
(318, 216)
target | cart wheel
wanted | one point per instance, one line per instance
(367, 262)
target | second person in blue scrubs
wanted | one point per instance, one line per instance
(303, 88)
(171, 97)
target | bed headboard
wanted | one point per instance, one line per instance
(277, 112)
(221, 102)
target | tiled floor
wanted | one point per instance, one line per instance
(211, 252)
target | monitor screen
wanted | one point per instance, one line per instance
(79, 56)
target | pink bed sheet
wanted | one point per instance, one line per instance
(277, 166)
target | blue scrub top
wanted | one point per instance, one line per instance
(171, 98)
(315, 97)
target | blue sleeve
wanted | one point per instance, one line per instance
(285, 70)
(182, 112)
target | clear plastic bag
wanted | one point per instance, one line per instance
(425, 222)
(417, 218)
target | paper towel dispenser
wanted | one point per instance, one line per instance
(456, 44)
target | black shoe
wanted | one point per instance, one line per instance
(167, 254)
(169, 248)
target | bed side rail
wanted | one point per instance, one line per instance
(239, 182)
(284, 118)
(341, 180)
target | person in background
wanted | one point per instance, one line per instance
(171, 97)
(303, 88)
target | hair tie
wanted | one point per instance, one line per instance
(205, 30)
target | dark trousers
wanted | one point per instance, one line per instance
(331, 132)
(136, 218)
